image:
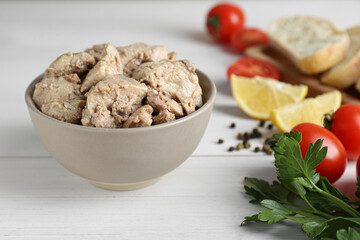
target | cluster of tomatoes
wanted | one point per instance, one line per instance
(226, 23)
(342, 140)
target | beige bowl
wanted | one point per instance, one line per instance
(123, 159)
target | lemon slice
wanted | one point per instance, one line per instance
(258, 96)
(310, 110)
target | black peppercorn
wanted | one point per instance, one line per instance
(262, 123)
(246, 136)
(240, 136)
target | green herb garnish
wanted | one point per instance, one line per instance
(302, 195)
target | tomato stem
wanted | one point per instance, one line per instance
(328, 120)
(214, 21)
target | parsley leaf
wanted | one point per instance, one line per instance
(261, 190)
(288, 158)
(275, 212)
(311, 225)
(337, 223)
(294, 186)
(350, 234)
(319, 207)
(358, 187)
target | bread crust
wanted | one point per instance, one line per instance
(344, 76)
(346, 73)
(320, 60)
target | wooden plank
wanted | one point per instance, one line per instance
(202, 199)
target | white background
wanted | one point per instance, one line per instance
(204, 197)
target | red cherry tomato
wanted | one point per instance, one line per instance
(358, 167)
(335, 161)
(345, 124)
(251, 67)
(241, 39)
(223, 19)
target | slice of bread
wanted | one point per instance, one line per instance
(347, 72)
(313, 44)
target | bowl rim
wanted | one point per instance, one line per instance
(209, 104)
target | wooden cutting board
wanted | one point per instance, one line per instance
(290, 74)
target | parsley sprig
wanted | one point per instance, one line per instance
(302, 195)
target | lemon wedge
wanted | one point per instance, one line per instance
(258, 96)
(310, 110)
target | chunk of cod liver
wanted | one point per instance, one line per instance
(111, 101)
(135, 54)
(70, 63)
(108, 64)
(175, 85)
(140, 118)
(58, 93)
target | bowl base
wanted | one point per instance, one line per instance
(124, 186)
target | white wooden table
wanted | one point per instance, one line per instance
(204, 197)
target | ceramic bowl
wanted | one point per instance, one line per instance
(123, 159)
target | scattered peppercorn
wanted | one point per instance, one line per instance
(255, 133)
(246, 136)
(240, 136)
(269, 152)
(266, 148)
(239, 146)
(262, 123)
